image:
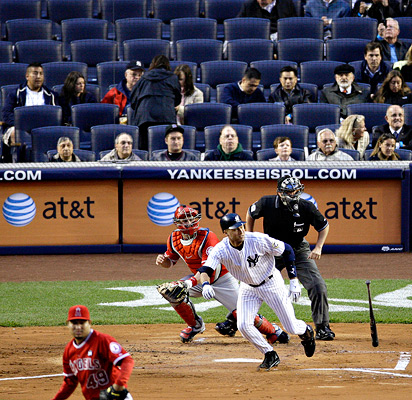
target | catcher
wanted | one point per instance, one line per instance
(193, 244)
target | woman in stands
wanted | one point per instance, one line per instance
(352, 134)
(385, 149)
(74, 92)
(190, 93)
(394, 90)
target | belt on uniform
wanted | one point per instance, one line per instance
(264, 281)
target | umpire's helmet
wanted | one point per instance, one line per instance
(231, 221)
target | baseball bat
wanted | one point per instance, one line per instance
(374, 332)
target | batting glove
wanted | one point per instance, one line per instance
(294, 290)
(208, 292)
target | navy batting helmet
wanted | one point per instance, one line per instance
(231, 221)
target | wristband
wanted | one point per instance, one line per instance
(205, 283)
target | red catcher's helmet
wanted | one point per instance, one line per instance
(187, 220)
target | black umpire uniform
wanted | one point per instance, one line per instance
(292, 227)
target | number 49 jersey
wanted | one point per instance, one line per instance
(93, 362)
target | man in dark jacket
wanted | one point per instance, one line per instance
(344, 91)
(396, 125)
(120, 94)
(269, 9)
(30, 93)
(154, 98)
(243, 92)
(393, 50)
(289, 92)
(373, 69)
(229, 148)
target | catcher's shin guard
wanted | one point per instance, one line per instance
(187, 312)
(228, 327)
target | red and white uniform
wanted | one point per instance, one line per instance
(194, 253)
(94, 364)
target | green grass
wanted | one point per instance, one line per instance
(47, 303)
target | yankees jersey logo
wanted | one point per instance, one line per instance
(253, 261)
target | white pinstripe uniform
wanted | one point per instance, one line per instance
(254, 264)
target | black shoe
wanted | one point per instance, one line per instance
(308, 341)
(330, 330)
(323, 332)
(271, 360)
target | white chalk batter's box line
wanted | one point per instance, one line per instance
(404, 359)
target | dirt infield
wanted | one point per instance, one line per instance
(212, 367)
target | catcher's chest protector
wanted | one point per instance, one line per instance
(192, 254)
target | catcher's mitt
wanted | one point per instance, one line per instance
(174, 292)
(111, 394)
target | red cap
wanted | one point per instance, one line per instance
(78, 312)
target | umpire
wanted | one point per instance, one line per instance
(287, 217)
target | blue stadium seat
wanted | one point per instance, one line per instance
(405, 27)
(45, 138)
(84, 116)
(374, 113)
(12, 73)
(6, 90)
(110, 73)
(156, 137)
(300, 50)
(298, 134)
(353, 153)
(270, 70)
(315, 114)
(102, 136)
(55, 73)
(6, 52)
(300, 27)
(318, 72)
(246, 28)
(345, 50)
(222, 9)
(28, 29)
(145, 50)
(57, 10)
(218, 72)
(206, 89)
(119, 9)
(407, 108)
(244, 133)
(82, 28)
(260, 114)
(167, 10)
(332, 127)
(267, 154)
(199, 50)
(354, 27)
(84, 155)
(136, 28)
(43, 51)
(248, 50)
(16, 9)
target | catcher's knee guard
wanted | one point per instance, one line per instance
(187, 312)
(228, 327)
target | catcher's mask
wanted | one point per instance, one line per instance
(289, 191)
(187, 220)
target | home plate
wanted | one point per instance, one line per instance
(238, 360)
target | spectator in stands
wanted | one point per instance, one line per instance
(384, 149)
(344, 91)
(393, 50)
(395, 125)
(229, 148)
(406, 8)
(154, 98)
(190, 93)
(352, 134)
(327, 10)
(244, 91)
(122, 151)
(283, 149)
(174, 141)
(394, 90)
(289, 92)
(269, 9)
(327, 148)
(120, 94)
(406, 69)
(30, 93)
(373, 69)
(64, 151)
(383, 9)
(74, 92)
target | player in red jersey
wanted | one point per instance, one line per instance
(95, 360)
(193, 244)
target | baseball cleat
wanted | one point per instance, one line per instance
(187, 334)
(308, 341)
(271, 360)
(323, 332)
(279, 336)
(226, 328)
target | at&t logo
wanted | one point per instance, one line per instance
(19, 209)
